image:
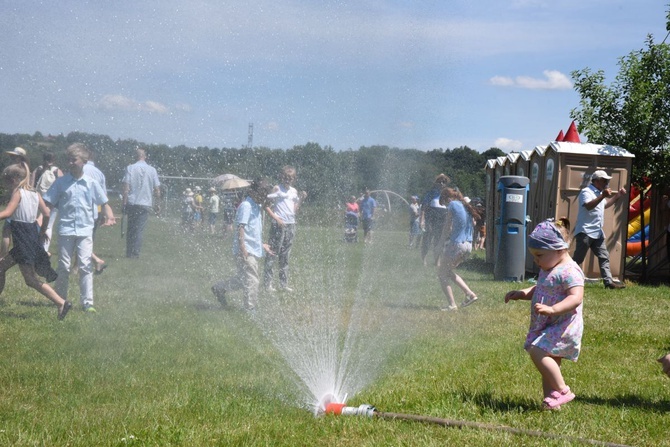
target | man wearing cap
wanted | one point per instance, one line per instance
(589, 228)
(140, 186)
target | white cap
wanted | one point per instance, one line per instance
(18, 151)
(600, 174)
(466, 199)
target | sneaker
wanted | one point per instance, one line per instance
(471, 299)
(556, 399)
(270, 289)
(287, 289)
(66, 308)
(449, 309)
(90, 310)
(615, 285)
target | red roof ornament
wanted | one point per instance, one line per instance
(560, 136)
(572, 136)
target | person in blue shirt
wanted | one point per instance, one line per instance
(455, 245)
(76, 196)
(140, 186)
(368, 206)
(248, 246)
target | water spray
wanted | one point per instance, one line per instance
(330, 407)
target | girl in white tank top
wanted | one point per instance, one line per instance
(28, 252)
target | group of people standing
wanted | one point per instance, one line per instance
(79, 197)
(195, 206)
(362, 209)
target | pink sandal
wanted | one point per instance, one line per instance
(556, 399)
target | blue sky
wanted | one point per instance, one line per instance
(410, 74)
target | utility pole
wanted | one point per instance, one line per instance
(250, 141)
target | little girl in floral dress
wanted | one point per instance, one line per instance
(556, 323)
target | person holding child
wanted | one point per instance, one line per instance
(76, 195)
(28, 251)
(556, 323)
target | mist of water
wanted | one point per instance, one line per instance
(339, 327)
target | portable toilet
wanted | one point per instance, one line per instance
(510, 244)
(568, 168)
(512, 159)
(536, 165)
(490, 198)
(523, 164)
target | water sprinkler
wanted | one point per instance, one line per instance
(337, 408)
(328, 406)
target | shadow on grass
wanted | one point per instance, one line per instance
(487, 400)
(45, 303)
(412, 306)
(10, 314)
(626, 400)
(477, 265)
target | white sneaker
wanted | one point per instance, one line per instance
(287, 289)
(270, 289)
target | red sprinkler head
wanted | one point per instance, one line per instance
(335, 408)
(341, 409)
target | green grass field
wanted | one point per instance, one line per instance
(162, 364)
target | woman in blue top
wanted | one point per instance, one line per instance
(456, 243)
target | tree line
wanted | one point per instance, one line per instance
(328, 175)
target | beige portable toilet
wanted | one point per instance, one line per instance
(492, 176)
(489, 200)
(536, 164)
(512, 159)
(568, 168)
(523, 164)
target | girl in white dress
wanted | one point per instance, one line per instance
(28, 251)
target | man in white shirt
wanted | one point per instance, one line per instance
(140, 186)
(589, 231)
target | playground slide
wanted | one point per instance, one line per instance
(634, 248)
(635, 225)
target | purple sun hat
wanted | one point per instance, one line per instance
(546, 236)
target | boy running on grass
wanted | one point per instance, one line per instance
(76, 195)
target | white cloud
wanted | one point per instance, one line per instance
(507, 144)
(553, 80)
(124, 103)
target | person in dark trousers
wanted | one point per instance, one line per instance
(589, 231)
(140, 187)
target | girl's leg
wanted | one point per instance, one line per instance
(6, 239)
(550, 369)
(463, 286)
(31, 279)
(444, 274)
(5, 264)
